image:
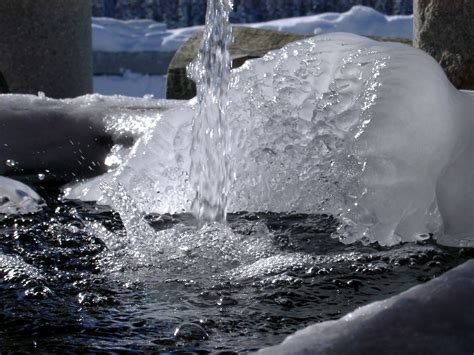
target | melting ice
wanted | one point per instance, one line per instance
(370, 132)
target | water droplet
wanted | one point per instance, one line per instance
(11, 163)
(41, 177)
(190, 331)
(226, 301)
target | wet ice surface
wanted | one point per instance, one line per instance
(332, 124)
(66, 284)
(17, 198)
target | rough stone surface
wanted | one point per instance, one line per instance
(248, 43)
(3, 85)
(112, 63)
(445, 29)
(46, 45)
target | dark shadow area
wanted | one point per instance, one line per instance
(3, 85)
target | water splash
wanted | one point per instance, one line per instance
(210, 170)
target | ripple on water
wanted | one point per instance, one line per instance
(67, 285)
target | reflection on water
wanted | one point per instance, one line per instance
(65, 285)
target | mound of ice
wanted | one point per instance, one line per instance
(371, 132)
(435, 318)
(17, 198)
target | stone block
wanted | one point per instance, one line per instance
(46, 45)
(248, 43)
(445, 30)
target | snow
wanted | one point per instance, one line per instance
(85, 129)
(331, 124)
(17, 198)
(360, 20)
(132, 85)
(434, 318)
(111, 35)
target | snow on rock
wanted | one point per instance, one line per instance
(360, 20)
(46, 140)
(111, 35)
(17, 198)
(332, 124)
(434, 318)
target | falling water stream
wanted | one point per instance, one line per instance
(210, 170)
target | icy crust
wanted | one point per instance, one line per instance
(336, 124)
(370, 132)
(45, 140)
(427, 319)
(17, 198)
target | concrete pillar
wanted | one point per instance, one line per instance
(445, 29)
(46, 45)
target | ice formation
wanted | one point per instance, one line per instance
(17, 198)
(371, 132)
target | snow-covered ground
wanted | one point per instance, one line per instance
(131, 84)
(111, 35)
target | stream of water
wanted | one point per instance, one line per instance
(210, 170)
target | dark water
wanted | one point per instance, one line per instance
(62, 291)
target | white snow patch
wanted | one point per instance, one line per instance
(17, 198)
(111, 35)
(360, 20)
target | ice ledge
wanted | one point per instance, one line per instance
(433, 318)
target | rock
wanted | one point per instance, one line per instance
(445, 30)
(248, 43)
(46, 142)
(3, 85)
(46, 46)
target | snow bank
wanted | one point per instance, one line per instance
(17, 198)
(64, 140)
(111, 35)
(360, 20)
(434, 318)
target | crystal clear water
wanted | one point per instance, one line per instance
(68, 284)
(210, 171)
